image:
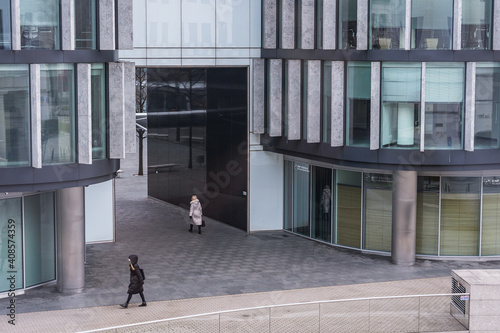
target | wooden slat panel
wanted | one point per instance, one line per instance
(491, 224)
(427, 223)
(349, 216)
(378, 206)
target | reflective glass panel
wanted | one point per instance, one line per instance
(198, 23)
(301, 198)
(40, 24)
(98, 93)
(348, 16)
(326, 98)
(14, 116)
(476, 24)
(487, 123)
(400, 105)
(58, 113)
(348, 199)
(322, 204)
(431, 24)
(444, 103)
(358, 104)
(233, 23)
(288, 196)
(387, 24)
(85, 24)
(11, 247)
(427, 215)
(5, 25)
(40, 238)
(378, 212)
(319, 24)
(490, 232)
(460, 206)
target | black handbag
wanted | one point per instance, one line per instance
(142, 273)
(202, 223)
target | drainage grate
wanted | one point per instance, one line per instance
(458, 301)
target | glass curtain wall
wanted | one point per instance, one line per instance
(490, 232)
(5, 40)
(11, 247)
(444, 103)
(321, 204)
(58, 113)
(401, 105)
(40, 24)
(427, 215)
(348, 208)
(319, 24)
(326, 98)
(460, 209)
(348, 27)
(301, 198)
(476, 24)
(487, 123)
(358, 93)
(431, 24)
(14, 116)
(85, 25)
(387, 24)
(40, 238)
(378, 212)
(98, 93)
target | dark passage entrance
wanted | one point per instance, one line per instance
(197, 141)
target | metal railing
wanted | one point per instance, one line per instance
(409, 313)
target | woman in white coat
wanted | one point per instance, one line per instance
(195, 213)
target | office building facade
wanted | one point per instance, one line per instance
(66, 118)
(385, 114)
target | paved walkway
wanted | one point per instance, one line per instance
(222, 268)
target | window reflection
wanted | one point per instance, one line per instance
(358, 104)
(85, 24)
(98, 93)
(5, 25)
(476, 24)
(14, 116)
(387, 24)
(40, 24)
(348, 25)
(58, 113)
(487, 124)
(431, 24)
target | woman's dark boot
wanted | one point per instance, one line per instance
(190, 228)
(124, 305)
(199, 229)
(143, 304)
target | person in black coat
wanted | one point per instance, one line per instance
(136, 281)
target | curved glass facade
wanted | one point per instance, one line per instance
(27, 237)
(456, 216)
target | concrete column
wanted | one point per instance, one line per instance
(329, 24)
(314, 101)
(36, 117)
(457, 25)
(496, 25)
(125, 24)
(294, 99)
(15, 16)
(470, 106)
(106, 24)
(362, 23)
(129, 104)
(404, 217)
(275, 97)
(288, 24)
(71, 240)
(338, 98)
(270, 15)
(422, 108)
(375, 107)
(116, 111)
(84, 114)
(483, 305)
(67, 24)
(258, 96)
(308, 21)
(408, 25)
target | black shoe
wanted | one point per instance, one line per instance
(124, 305)
(143, 304)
